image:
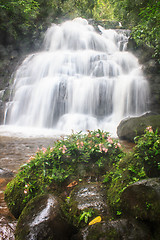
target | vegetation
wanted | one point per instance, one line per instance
(79, 156)
(74, 158)
(142, 163)
(143, 18)
(19, 17)
(148, 150)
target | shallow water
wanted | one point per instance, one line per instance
(14, 152)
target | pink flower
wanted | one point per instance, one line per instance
(103, 136)
(25, 191)
(38, 149)
(51, 149)
(97, 135)
(109, 139)
(63, 149)
(119, 145)
(105, 149)
(82, 144)
(149, 129)
(44, 149)
(31, 158)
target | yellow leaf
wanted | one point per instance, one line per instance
(95, 220)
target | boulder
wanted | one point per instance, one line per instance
(141, 200)
(115, 230)
(89, 195)
(42, 219)
(131, 127)
(7, 229)
(89, 199)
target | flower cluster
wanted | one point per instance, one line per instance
(102, 148)
(79, 144)
(63, 149)
(109, 140)
(149, 129)
(26, 188)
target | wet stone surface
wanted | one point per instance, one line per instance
(90, 195)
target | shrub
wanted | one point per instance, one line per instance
(142, 163)
(148, 150)
(51, 169)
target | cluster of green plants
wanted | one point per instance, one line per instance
(54, 167)
(19, 17)
(147, 30)
(148, 150)
(142, 162)
(143, 18)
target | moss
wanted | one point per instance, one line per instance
(14, 196)
(124, 173)
(21, 190)
(101, 231)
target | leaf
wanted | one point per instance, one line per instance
(95, 220)
(86, 218)
(72, 184)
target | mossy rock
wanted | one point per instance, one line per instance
(115, 230)
(43, 219)
(124, 173)
(85, 198)
(129, 128)
(18, 192)
(142, 200)
(14, 196)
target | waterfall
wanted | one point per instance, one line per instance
(82, 80)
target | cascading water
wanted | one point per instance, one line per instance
(82, 80)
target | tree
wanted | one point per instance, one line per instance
(148, 30)
(17, 15)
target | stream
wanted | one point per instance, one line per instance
(14, 152)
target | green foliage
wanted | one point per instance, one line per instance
(121, 175)
(86, 215)
(147, 30)
(143, 18)
(103, 10)
(17, 15)
(51, 167)
(143, 162)
(148, 150)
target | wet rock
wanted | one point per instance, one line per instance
(142, 200)
(43, 219)
(1, 111)
(87, 198)
(6, 173)
(115, 230)
(129, 128)
(7, 229)
(90, 195)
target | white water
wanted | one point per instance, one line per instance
(82, 80)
